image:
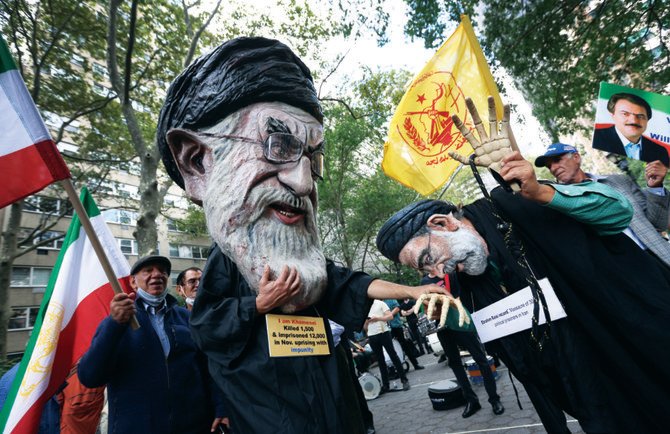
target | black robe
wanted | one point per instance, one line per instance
(606, 363)
(274, 394)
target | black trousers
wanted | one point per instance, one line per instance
(416, 336)
(407, 346)
(383, 340)
(450, 340)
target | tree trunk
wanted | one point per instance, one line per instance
(146, 232)
(7, 253)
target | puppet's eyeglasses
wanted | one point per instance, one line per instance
(281, 148)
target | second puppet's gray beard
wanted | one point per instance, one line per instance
(467, 249)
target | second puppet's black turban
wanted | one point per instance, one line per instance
(238, 73)
(401, 227)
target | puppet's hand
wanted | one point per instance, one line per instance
(489, 149)
(444, 301)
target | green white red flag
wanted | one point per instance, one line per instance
(75, 301)
(29, 158)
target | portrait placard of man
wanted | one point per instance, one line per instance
(623, 128)
(241, 131)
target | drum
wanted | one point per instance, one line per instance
(371, 385)
(475, 374)
(445, 395)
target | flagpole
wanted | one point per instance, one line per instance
(451, 178)
(95, 242)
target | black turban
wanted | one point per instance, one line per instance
(238, 73)
(401, 227)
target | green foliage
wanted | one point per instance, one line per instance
(43, 38)
(559, 51)
(362, 18)
(194, 223)
(400, 274)
(355, 196)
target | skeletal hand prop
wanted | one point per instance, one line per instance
(489, 149)
(445, 301)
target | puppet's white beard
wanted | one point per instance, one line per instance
(258, 239)
(467, 249)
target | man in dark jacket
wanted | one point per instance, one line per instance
(630, 114)
(590, 363)
(150, 372)
(241, 131)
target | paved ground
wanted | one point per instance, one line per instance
(412, 412)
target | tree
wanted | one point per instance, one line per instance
(157, 48)
(41, 36)
(559, 51)
(356, 196)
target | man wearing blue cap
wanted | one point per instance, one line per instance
(611, 344)
(650, 206)
(151, 372)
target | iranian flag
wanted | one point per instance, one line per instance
(75, 301)
(29, 159)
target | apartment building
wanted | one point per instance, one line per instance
(31, 271)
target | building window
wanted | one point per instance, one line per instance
(23, 317)
(100, 89)
(174, 226)
(173, 277)
(76, 59)
(99, 69)
(68, 148)
(128, 246)
(30, 276)
(47, 205)
(56, 71)
(72, 127)
(49, 237)
(120, 216)
(188, 251)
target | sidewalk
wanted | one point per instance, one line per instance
(412, 412)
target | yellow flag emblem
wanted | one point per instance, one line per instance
(421, 132)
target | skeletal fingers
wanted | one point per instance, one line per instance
(445, 301)
(431, 304)
(418, 303)
(444, 313)
(463, 317)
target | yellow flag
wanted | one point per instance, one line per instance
(421, 132)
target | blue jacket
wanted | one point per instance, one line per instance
(147, 392)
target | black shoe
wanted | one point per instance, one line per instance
(497, 407)
(418, 367)
(405, 385)
(471, 408)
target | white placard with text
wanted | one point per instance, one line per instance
(514, 313)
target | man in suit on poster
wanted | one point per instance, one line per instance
(630, 114)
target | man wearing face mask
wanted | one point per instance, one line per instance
(241, 130)
(187, 285)
(152, 371)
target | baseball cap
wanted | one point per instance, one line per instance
(553, 150)
(148, 260)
